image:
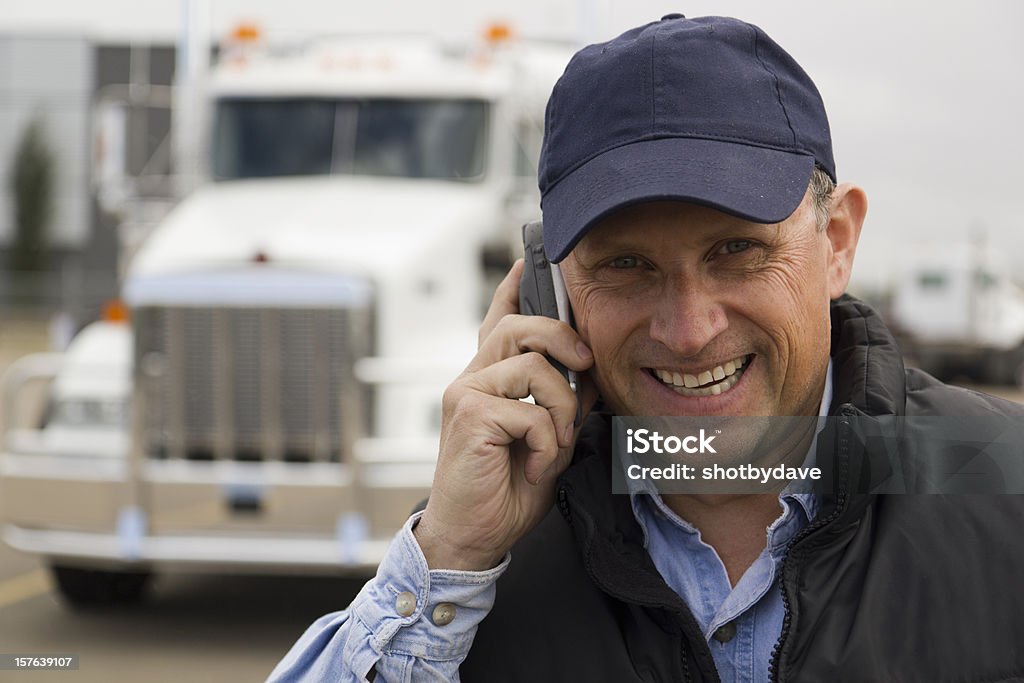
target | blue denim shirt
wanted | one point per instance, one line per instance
(346, 645)
(372, 633)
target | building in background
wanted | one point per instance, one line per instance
(58, 80)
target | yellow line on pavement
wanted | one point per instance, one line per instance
(25, 586)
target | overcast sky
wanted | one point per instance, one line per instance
(925, 99)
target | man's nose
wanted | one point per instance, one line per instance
(688, 316)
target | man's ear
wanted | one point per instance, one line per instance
(849, 206)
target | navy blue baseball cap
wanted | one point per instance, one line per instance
(707, 110)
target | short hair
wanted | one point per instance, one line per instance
(821, 188)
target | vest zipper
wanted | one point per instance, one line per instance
(563, 504)
(789, 563)
(686, 666)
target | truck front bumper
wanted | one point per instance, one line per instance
(201, 554)
(220, 516)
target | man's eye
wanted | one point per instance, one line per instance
(735, 246)
(624, 262)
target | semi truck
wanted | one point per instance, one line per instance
(958, 313)
(266, 396)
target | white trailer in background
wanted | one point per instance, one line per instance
(958, 312)
(273, 403)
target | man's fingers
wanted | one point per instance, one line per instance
(532, 425)
(510, 421)
(511, 364)
(531, 375)
(505, 301)
(518, 334)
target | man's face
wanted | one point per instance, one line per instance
(669, 294)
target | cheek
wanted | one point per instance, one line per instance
(582, 315)
(809, 341)
(593, 312)
(595, 327)
(607, 324)
(799, 277)
(795, 276)
(790, 303)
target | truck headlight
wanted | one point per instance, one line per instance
(91, 413)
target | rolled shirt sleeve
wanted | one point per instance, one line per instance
(408, 622)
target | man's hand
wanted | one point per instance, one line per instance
(499, 456)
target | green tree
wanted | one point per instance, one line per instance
(32, 191)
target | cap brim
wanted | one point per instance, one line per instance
(754, 183)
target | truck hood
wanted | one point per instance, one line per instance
(360, 226)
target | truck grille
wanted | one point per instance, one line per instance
(251, 383)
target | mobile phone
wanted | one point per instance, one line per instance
(542, 290)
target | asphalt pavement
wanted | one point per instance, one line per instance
(191, 628)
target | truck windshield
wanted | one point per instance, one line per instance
(260, 138)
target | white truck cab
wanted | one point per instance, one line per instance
(272, 402)
(959, 313)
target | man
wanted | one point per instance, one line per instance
(688, 192)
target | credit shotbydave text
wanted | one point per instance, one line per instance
(643, 441)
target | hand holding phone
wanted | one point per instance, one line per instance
(498, 455)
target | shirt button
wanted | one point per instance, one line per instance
(725, 632)
(405, 603)
(444, 614)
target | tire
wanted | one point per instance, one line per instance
(84, 588)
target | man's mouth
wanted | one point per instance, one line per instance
(710, 382)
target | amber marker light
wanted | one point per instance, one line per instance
(498, 33)
(246, 33)
(114, 311)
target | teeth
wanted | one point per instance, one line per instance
(725, 377)
(714, 390)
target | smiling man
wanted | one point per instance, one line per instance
(676, 288)
(689, 194)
